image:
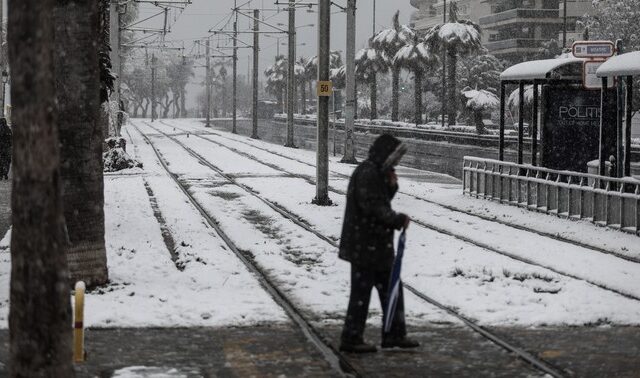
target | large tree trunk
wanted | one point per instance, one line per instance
(183, 103)
(104, 10)
(452, 61)
(395, 94)
(78, 93)
(418, 97)
(40, 338)
(374, 97)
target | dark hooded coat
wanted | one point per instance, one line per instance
(5, 146)
(369, 221)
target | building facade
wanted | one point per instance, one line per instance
(513, 30)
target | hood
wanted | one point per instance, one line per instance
(387, 151)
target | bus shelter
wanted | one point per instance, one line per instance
(619, 68)
(567, 114)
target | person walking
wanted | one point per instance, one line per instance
(367, 243)
(5, 149)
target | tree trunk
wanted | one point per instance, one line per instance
(418, 98)
(40, 333)
(452, 61)
(303, 94)
(145, 109)
(395, 94)
(374, 97)
(77, 39)
(224, 99)
(183, 103)
(104, 11)
(477, 118)
(280, 101)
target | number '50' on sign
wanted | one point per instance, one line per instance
(324, 88)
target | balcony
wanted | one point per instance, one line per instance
(509, 46)
(521, 15)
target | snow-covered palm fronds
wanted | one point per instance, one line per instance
(463, 36)
(479, 100)
(369, 62)
(513, 102)
(276, 75)
(414, 56)
(335, 61)
(391, 40)
(339, 77)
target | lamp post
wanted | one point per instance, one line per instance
(5, 79)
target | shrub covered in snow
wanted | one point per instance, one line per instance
(116, 157)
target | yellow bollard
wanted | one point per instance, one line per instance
(78, 325)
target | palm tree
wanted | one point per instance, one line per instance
(300, 70)
(457, 38)
(40, 332)
(390, 41)
(78, 87)
(416, 58)
(479, 101)
(277, 79)
(335, 62)
(370, 62)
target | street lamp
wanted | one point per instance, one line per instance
(5, 79)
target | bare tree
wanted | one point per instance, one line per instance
(40, 314)
(77, 39)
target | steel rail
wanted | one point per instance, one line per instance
(521, 353)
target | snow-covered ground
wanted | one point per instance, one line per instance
(207, 285)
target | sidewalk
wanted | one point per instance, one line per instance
(272, 351)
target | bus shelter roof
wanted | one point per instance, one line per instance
(537, 69)
(621, 65)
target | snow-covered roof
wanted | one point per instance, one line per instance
(536, 69)
(621, 65)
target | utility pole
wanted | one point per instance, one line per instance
(322, 146)
(349, 144)
(208, 83)
(235, 71)
(564, 25)
(2, 58)
(256, 68)
(291, 76)
(153, 87)
(444, 66)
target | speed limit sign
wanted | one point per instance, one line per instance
(324, 88)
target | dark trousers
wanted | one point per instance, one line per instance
(362, 282)
(5, 164)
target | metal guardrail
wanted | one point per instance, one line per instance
(605, 201)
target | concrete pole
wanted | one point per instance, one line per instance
(350, 108)
(208, 83)
(153, 87)
(256, 68)
(444, 66)
(322, 146)
(291, 75)
(234, 111)
(2, 57)
(620, 119)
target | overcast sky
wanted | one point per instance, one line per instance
(202, 15)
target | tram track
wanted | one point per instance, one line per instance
(335, 359)
(494, 338)
(200, 134)
(420, 223)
